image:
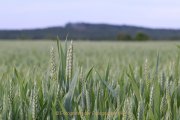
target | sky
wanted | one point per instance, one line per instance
(27, 14)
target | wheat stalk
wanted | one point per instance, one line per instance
(34, 102)
(140, 110)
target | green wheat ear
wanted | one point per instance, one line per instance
(151, 102)
(163, 81)
(127, 110)
(140, 110)
(69, 62)
(146, 71)
(163, 106)
(53, 73)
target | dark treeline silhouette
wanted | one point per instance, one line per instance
(84, 31)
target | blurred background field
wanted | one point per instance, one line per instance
(26, 55)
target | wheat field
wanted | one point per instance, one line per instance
(44, 80)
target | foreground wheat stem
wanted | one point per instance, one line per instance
(10, 97)
(34, 102)
(140, 110)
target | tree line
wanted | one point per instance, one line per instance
(140, 36)
(86, 31)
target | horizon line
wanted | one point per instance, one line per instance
(91, 23)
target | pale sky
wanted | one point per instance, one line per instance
(25, 14)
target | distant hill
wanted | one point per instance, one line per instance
(85, 31)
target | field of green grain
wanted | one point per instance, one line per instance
(89, 80)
